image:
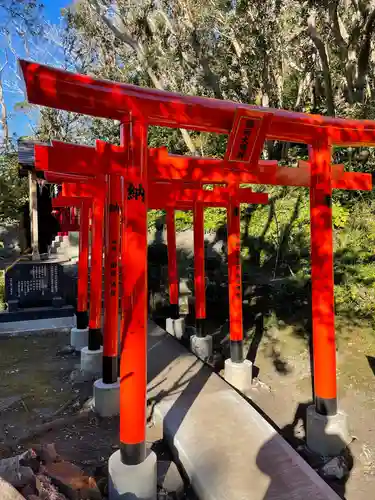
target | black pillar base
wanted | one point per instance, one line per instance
(133, 454)
(174, 311)
(236, 351)
(199, 325)
(110, 369)
(82, 318)
(95, 339)
(325, 406)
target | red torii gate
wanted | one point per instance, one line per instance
(194, 198)
(186, 171)
(177, 195)
(248, 127)
(80, 187)
(84, 205)
(95, 192)
(67, 220)
(165, 167)
(231, 199)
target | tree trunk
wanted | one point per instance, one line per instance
(320, 47)
(4, 116)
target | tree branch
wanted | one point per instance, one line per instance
(311, 29)
(364, 55)
(211, 79)
(101, 10)
(303, 85)
(4, 117)
(336, 28)
(3, 107)
(128, 40)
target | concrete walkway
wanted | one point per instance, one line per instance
(226, 447)
(37, 326)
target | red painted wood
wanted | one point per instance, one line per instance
(249, 127)
(322, 284)
(111, 266)
(89, 162)
(169, 195)
(134, 335)
(199, 271)
(83, 94)
(83, 261)
(96, 277)
(246, 139)
(234, 272)
(67, 201)
(172, 257)
(125, 141)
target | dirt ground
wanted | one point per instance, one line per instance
(34, 372)
(282, 390)
(37, 387)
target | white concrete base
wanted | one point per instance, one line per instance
(176, 327)
(132, 482)
(79, 338)
(201, 346)
(92, 361)
(64, 241)
(326, 435)
(107, 398)
(239, 375)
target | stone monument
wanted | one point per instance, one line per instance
(35, 285)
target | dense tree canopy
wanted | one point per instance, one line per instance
(313, 56)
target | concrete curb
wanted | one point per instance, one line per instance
(37, 327)
(225, 446)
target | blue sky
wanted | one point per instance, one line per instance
(19, 121)
(52, 8)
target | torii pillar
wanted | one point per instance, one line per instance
(79, 335)
(134, 463)
(175, 324)
(237, 370)
(326, 427)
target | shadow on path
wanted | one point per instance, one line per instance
(295, 433)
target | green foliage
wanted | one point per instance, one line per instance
(184, 220)
(355, 301)
(340, 215)
(154, 216)
(13, 190)
(214, 218)
(276, 243)
(355, 263)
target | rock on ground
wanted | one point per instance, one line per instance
(8, 492)
(72, 482)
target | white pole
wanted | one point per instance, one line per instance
(33, 206)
